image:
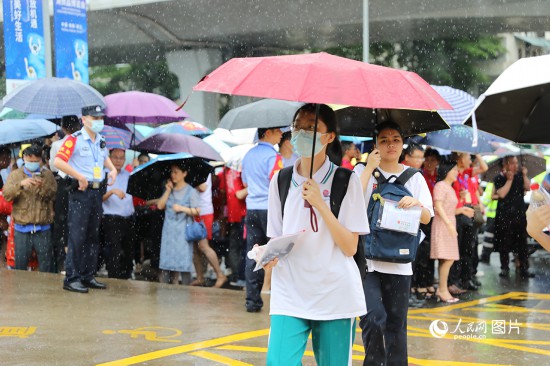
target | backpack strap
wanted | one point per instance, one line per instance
(283, 182)
(338, 189)
(406, 175)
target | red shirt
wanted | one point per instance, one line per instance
(347, 164)
(430, 179)
(466, 181)
(231, 182)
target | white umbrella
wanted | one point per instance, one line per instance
(517, 105)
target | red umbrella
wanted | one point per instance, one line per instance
(323, 78)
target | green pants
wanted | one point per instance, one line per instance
(332, 341)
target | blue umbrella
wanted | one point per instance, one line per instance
(17, 130)
(53, 96)
(460, 138)
(462, 104)
(147, 180)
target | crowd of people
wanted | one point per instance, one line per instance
(69, 211)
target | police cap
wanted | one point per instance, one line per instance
(93, 110)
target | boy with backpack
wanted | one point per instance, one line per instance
(389, 253)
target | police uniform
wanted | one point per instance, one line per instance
(85, 207)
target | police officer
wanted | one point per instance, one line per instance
(83, 157)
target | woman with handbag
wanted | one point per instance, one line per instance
(180, 201)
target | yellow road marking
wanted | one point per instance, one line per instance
(221, 359)
(417, 361)
(186, 348)
(461, 305)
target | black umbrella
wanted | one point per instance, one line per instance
(534, 164)
(147, 181)
(356, 121)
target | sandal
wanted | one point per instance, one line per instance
(448, 300)
(455, 290)
(198, 282)
(423, 293)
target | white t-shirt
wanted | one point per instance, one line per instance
(205, 203)
(56, 145)
(316, 280)
(419, 188)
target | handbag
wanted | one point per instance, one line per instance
(478, 216)
(195, 230)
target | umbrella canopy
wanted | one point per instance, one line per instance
(117, 138)
(356, 121)
(265, 113)
(216, 143)
(184, 128)
(233, 157)
(462, 103)
(165, 143)
(460, 138)
(147, 181)
(323, 78)
(17, 130)
(517, 105)
(236, 137)
(9, 113)
(53, 96)
(140, 107)
(534, 164)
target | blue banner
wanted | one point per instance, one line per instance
(71, 40)
(23, 41)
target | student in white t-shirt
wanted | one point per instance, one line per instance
(317, 287)
(387, 285)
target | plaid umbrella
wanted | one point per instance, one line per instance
(53, 96)
(462, 104)
(116, 138)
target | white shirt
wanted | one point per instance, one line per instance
(116, 206)
(316, 280)
(419, 188)
(53, 152)
(205, 198)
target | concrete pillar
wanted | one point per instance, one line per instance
(190, 66)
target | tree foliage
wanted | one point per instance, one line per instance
(452, 62)
(153, 77)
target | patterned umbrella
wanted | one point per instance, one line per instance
(53, 96)
(462, 104)
(460, 138)
(117, 138)
(185, 128)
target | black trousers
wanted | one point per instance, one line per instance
(462, 269)
(236, 249)
(256, 227)
(60, 230)
(85, 211)
(424, 267)
(119, 236)
(384, 328)
(511, 236)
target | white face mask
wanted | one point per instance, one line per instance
(97, 125)
(303, 142)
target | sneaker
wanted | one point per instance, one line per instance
(504, 273)
(238, 283)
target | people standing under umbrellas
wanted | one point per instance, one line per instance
(203, 246)
(510, 220)
(118, 224)
(32, 191)
(60, 232)
(83, 157)
(387, 285)
(444, 237)
(180, 201)
(462, 271)
(259, 165)
(317, 286)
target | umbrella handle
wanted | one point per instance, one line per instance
(317, 109)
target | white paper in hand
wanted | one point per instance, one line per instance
(398, 219)
(277, 247)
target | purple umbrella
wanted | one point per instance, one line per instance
(140, 107)
(164, 143)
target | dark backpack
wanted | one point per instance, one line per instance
(388, 245)
(338, 190)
